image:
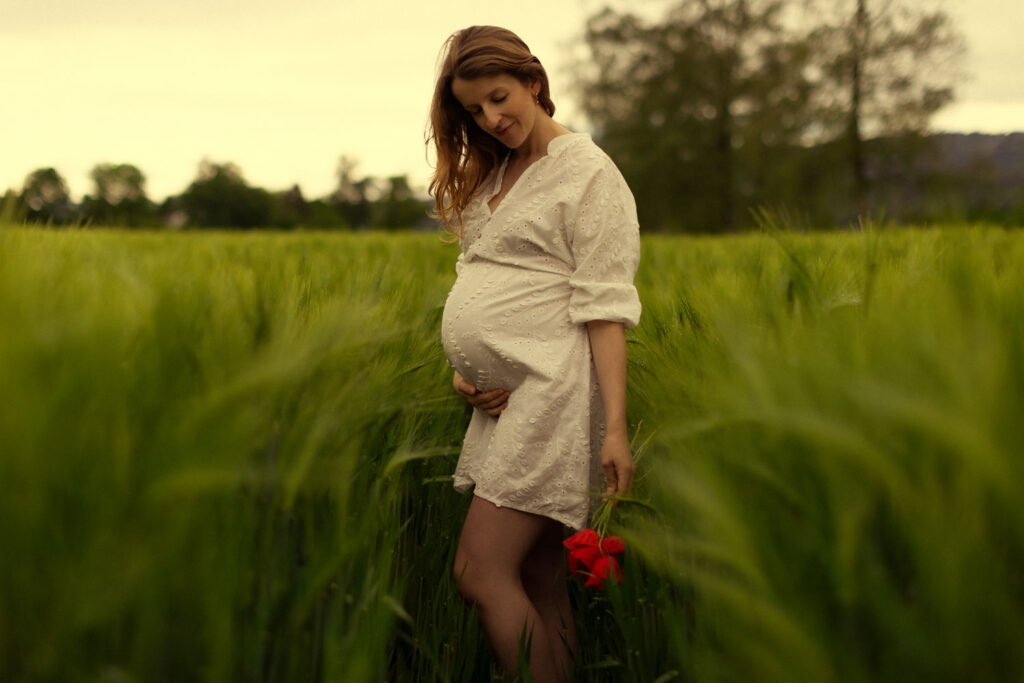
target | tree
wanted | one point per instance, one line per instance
(694, 107)
(119, 197)
(11, 208)
(220, 197)
(887, 67)
(323, 214)
(117, 183)
(353, 199)
(45, 196)
(289, 209)
(398, 207)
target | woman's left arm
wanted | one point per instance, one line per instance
(608, 345)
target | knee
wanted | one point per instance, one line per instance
(464, 580)
(473, 585)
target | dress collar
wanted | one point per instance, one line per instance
(556, 146)
(561, 142)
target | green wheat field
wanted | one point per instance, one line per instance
(225, 457)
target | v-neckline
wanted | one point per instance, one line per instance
(501, 177)
(496, 190)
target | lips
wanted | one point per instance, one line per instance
(503, 130)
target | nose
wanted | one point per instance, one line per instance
(491, 117)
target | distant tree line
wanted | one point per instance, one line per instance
(816, 108)
(219, 197)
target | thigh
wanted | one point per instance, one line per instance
(544, 570)
(495, 540)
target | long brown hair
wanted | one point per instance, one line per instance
(466, 155)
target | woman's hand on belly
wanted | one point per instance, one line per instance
(491, 402)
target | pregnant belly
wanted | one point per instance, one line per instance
(502, 324)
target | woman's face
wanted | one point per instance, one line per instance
(501, 105)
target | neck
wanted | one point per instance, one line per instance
(545, 129)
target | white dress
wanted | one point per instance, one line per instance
(561, 249)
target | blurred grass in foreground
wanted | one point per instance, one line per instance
(224, 457)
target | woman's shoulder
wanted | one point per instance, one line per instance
(585, 160)
(578, 148)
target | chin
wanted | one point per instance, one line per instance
(514, 143)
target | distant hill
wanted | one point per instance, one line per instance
(971, 176)
(1002, 156)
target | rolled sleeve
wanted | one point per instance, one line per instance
(605, 243)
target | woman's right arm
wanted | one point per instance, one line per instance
(491, 402)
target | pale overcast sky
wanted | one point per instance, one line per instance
(284, 88)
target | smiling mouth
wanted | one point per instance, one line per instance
(504, 130)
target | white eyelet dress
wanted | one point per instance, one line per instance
(561, 249)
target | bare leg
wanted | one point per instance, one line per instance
(494, 543)
(544, 578)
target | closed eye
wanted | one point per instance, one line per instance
(473, 111)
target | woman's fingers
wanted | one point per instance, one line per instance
(496, 410)
(614, 480)
(626, 478)
(490, 399)
(610, 480)
(462, 387)
(492, 402)
(618, 465)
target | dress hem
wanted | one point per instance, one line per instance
(466, 484)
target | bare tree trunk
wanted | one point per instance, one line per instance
(859, 43)
(726, 183)
(724, 128)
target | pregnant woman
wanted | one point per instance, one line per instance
(534, 329)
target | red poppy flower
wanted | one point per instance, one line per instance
(582, 559)
(612, 545)
(600, 570)
(582, 539)
(591, 557)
